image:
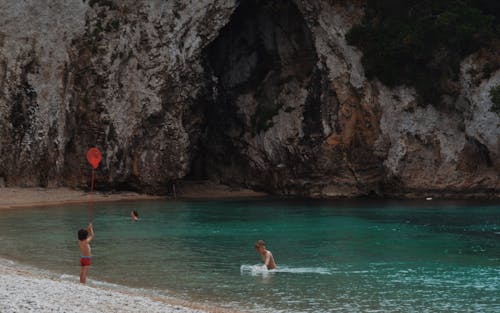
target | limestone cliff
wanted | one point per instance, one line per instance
(261, 94)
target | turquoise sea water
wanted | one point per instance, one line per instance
(366, 256)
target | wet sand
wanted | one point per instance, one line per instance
(17, 197)
(11, 198)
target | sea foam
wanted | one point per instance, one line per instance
(258, 269)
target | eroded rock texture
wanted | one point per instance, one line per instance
(261, 94)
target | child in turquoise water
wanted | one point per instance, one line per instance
(266, 255)
(134, 215)
(85, 236)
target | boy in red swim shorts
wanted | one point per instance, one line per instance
(85, 236)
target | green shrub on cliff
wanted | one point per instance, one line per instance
(421, 43)
(495, 98)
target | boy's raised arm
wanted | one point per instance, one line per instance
(91, 233)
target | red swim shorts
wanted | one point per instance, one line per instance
(85, 261)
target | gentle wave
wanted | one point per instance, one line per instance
(261, 270)
(107, 285)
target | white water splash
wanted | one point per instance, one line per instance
(258, 269)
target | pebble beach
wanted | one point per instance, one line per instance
(22, 290)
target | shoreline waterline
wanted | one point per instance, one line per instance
(12, 198)
(25, 287)
(26, 198)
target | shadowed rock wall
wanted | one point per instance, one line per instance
(115, 74)
(261, 94)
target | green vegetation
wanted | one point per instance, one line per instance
(421, 43)
(262, 119)
(495, 98)
(103, 3)
(115, 24)
(86, 100)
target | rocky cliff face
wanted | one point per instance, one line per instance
(261, 94)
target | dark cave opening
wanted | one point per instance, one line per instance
(265, 47)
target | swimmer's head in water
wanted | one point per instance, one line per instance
(135, 213)
(260, 245)
(83, 234)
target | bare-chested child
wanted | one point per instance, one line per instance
(266, 255)
(85, 236)
(134, 216)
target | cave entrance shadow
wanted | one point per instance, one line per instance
(264, 54)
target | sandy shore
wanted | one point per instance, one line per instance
(31, 197)
(11, 198)
(25, 291)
